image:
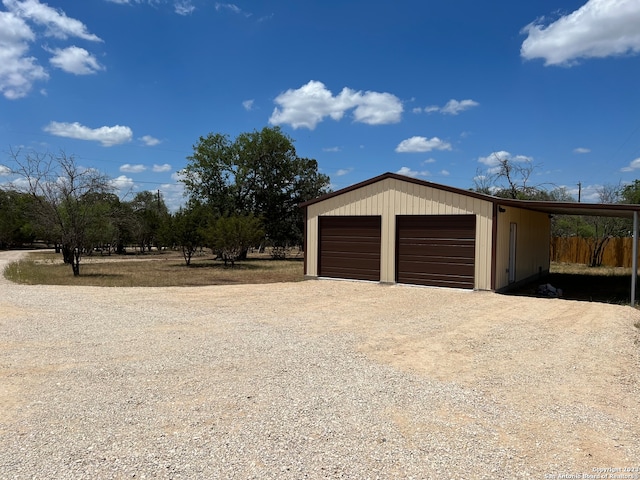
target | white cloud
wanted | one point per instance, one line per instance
(122, 183)
(175, 3)
(331, 149)
(162, 168)
(128, 168)
(75, 60)
(633, 165)
(184, 7)
(452, 107)
(375, 108)
(422, 144)
(107, 136)
(14, 29)
(56, 21)
(264, 18)
(598, 29)
(412, 173)
(493, 159)
(445, 173)
(181, 7)
(18, 69)
(343, 171)
(231, 7)
(247, 105)
(4, 171)
(428, 160)
(150, 141)
(173, 195)
(581, 150)
(310, 104)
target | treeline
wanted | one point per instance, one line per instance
(108, 222)
(239, 194)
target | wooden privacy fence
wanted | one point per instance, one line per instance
(618, 251)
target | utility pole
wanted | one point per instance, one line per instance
(579, 191)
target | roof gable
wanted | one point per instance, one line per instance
(551, 208)
(402, 178)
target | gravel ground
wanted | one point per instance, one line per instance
(318, 379)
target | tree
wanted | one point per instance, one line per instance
(67, 199)
(231, 236)
(103, 230)
(210, 174)
(605, 228)
(563, 225)
(508, 178)
(258, 174)
(16, 219)
(149, 214)
(189, 225)
(631, 193)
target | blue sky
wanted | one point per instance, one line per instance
(431, 89)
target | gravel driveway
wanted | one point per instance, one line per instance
(318, 379)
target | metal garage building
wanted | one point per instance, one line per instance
(397, 229)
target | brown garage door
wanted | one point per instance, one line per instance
(436, 250)
(349, 247)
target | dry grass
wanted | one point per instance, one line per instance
(166, 269)
(582, 269)
(578, 282)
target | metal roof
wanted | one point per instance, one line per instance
(551, 208)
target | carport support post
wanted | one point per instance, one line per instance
(634, 261)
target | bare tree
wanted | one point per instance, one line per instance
(605, 228)
(67, 196)
(508, 178)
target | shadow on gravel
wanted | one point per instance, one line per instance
(588, 288)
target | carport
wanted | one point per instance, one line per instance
(592, 209)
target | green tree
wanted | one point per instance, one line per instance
(102, 230)
(189, 227)
(16, 219)
(631, 193)
(563, 225)
(259, 173)
(209, 177)
(605, 228)
(67, 197)
(231, 236)
(149, 215)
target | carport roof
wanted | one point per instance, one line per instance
(551, 208)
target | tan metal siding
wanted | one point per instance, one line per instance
(532, 244)
(390, 197)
